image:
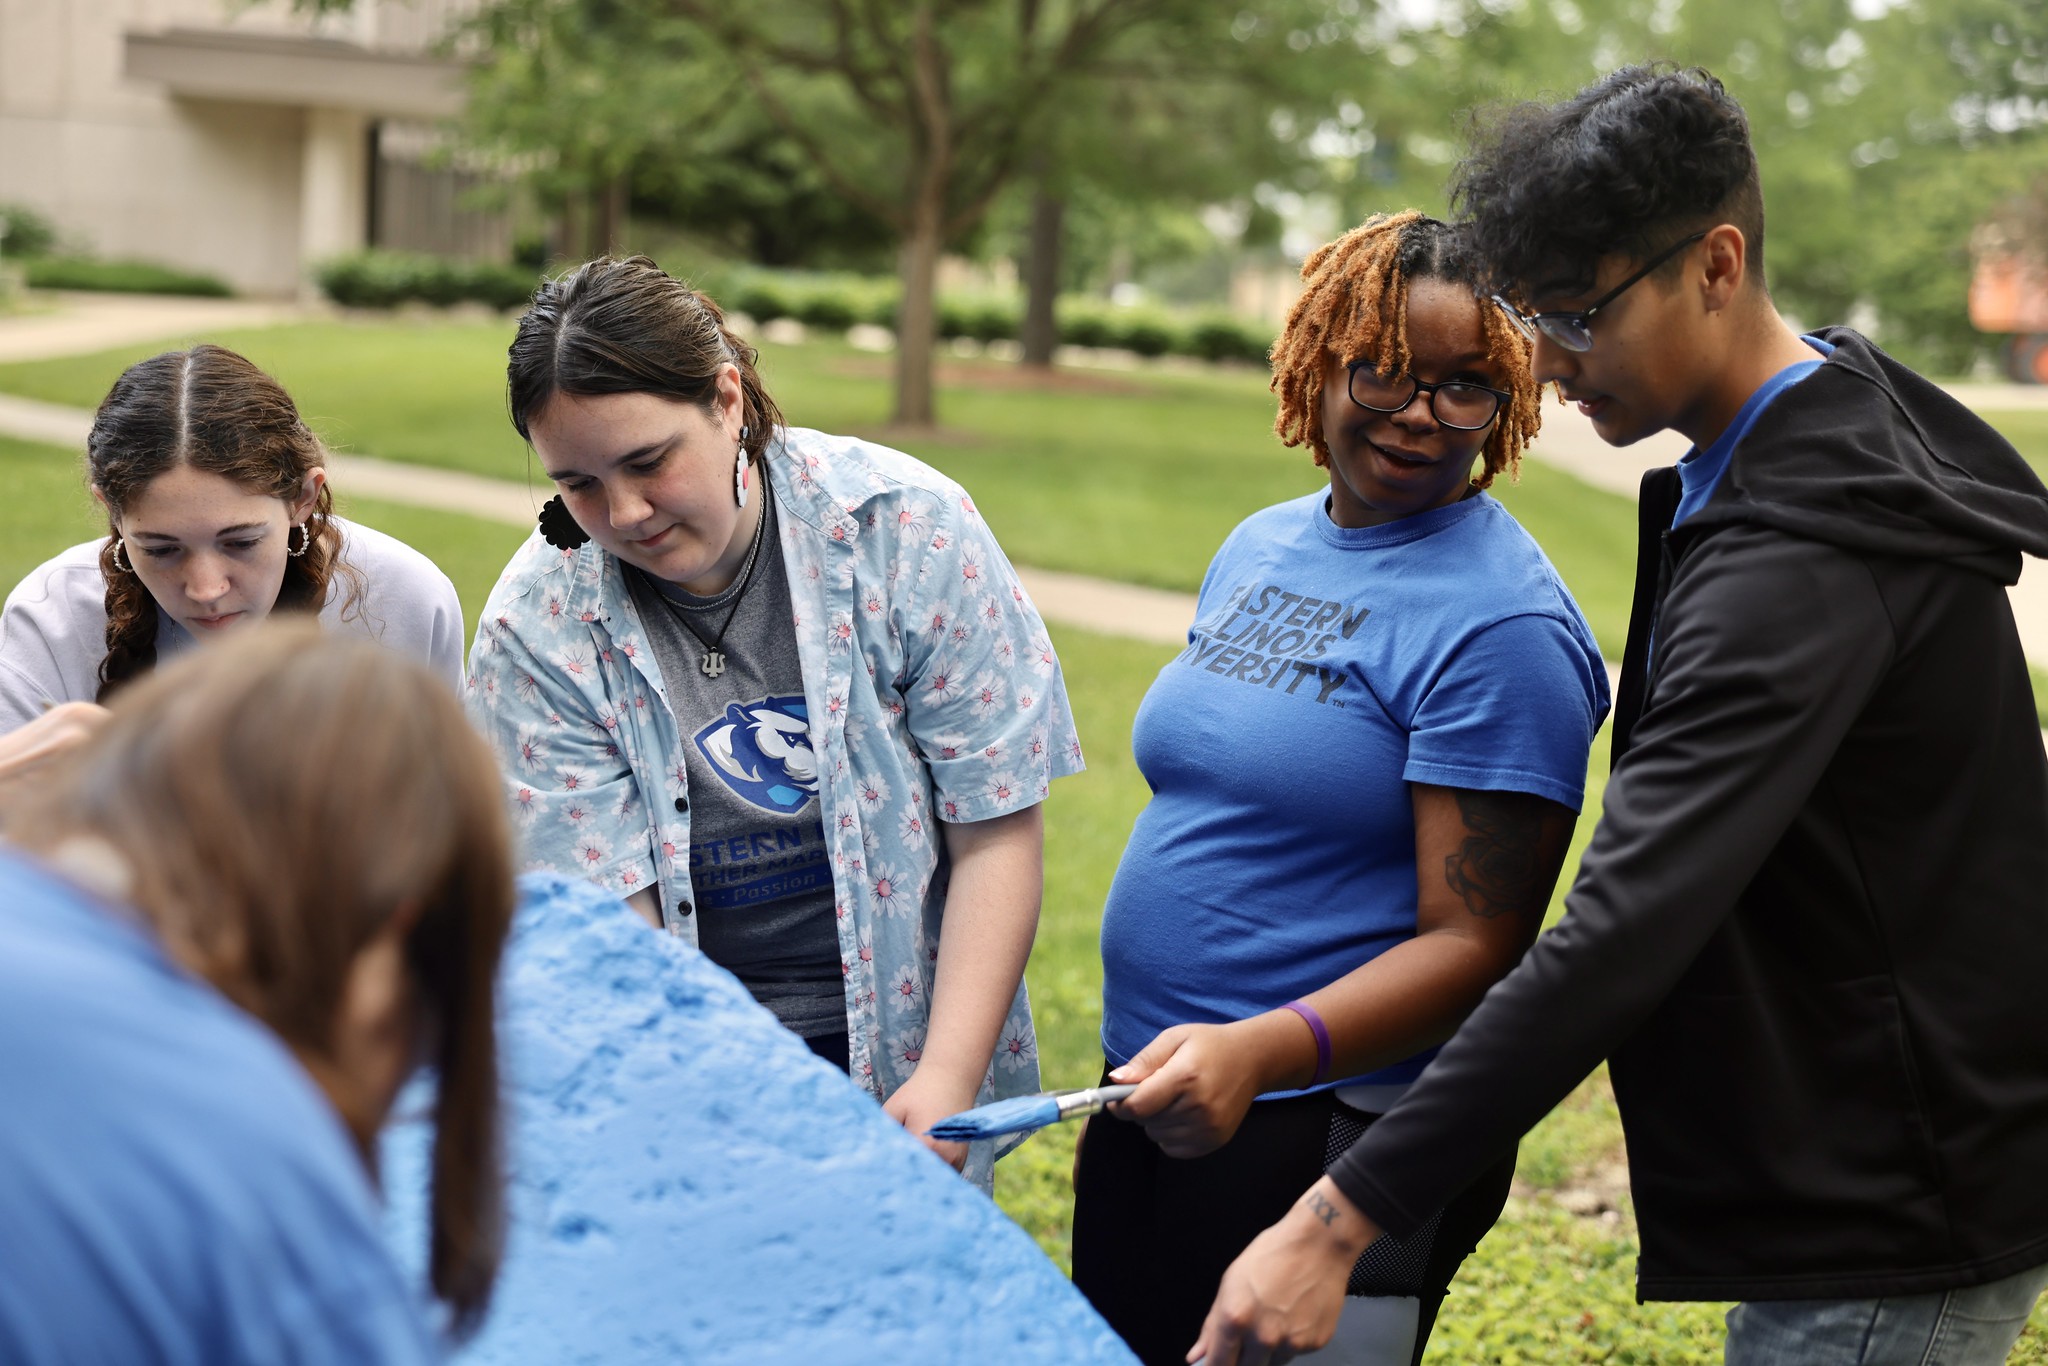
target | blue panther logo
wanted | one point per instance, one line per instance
(762, 749)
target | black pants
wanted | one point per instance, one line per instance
(833, 1048)
(1153, 1234)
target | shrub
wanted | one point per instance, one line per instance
(1146, 333)
(983, 318)
(385, 279)
(761, 298)
(502, 287)
(1083, 322)
(879, 300)
(121, 277)
(24, 232)
(833, 302)
(830, 308)
(1219, 337)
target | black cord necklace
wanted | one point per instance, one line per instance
(713, 662)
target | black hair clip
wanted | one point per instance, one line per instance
(558, 528)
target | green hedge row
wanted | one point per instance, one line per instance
(828, 303)
(119, 277)
(834, 303)
(385, 279)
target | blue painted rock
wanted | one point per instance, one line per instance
(690, 1184)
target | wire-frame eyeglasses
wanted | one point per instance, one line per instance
(1573, 331)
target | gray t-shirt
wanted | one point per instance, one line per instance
(760, 875)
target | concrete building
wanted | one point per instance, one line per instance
(247, 141)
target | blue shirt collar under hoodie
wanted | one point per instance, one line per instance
(1700, 471)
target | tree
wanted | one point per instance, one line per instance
(1184, 110)
(921, 112)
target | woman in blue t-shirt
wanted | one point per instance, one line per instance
(1366, 767)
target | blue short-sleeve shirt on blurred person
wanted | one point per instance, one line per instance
(173, 1189)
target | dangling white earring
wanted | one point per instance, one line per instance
(120, 556)
(740, 471)
(305, 539)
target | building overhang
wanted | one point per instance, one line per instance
(281, 69)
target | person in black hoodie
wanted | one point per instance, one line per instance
(1811, 932)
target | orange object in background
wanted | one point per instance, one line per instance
(2009, 293)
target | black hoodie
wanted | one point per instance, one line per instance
(1811, 931)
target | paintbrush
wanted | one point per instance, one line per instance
(1022, 1114)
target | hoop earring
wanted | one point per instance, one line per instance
(741, 469)
(120, 557)
(305, 530)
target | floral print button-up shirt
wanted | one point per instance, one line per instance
(932, 690)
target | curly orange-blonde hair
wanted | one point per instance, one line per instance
(1354, 304)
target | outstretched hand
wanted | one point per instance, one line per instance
(31, 754)
(1284, 1293)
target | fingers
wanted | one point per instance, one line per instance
(1159, 1083)
(1151, 1056)
(953, 1155)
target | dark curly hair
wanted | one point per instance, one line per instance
(1628, 165)
(214, 410)
(626, 326)
(1354, 303)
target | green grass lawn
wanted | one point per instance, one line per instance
(2028, 431)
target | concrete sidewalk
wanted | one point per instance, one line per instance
(78, 324)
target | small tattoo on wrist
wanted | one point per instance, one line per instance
(1322, 1207)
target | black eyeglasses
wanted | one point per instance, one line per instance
(1572, 331)
(1455, 403)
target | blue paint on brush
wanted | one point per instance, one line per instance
(1023, 1114)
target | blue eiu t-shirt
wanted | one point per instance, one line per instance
(172, 1187)
(1700, 471)
(1328, 669)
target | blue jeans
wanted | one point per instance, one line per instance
(1972, 1327)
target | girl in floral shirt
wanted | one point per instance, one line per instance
(780, 690)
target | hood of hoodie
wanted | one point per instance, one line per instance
(1867, 455)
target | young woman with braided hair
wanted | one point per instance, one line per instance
(218, 514)
(1366, 767)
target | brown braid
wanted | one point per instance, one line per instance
(215, 411)
(1354, 303)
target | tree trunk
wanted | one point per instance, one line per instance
(917, 316)
(574, 226)
(1040, 333)
(608, 217)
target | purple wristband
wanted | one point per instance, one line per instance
(1322, 1033)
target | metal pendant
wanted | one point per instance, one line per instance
(713, 663)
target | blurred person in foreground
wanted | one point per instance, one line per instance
(1811, 932)
(274, 882)
(1365, 771)
(218, 515)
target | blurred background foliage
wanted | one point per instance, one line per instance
(1173, 150)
